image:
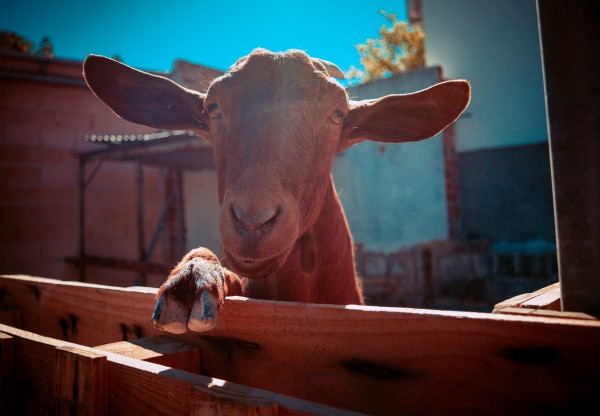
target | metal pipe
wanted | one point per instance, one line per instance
(139, 179)
(181, 237)
(161, 225)
(81, 204)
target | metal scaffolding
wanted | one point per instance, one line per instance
(174, 151)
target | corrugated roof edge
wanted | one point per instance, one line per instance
(130, 138)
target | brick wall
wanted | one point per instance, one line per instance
(45, 110)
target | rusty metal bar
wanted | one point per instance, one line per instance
(139, 180)
(180, 215)
(81, 205)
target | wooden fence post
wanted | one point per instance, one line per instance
(81, 382)
(569, 34)
(7, 355)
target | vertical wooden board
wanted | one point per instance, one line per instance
(134, 387)
(33, 390)
(81, 379)
(53, 376)
(572, 101)
(6, 372)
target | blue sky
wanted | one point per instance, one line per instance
(150, 34)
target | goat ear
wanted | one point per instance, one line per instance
(329, 68)
(406, 117)
(143, 98)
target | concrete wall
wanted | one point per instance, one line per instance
(202, 210)
(394, 194)
(502, 141)
(494, 45)
(506, 194)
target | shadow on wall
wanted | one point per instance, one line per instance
(506, 193)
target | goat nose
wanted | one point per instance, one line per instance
(254, 219)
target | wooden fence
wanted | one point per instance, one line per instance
(91, 349)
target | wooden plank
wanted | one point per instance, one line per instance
(202, 403)
(6, 372)
(136, 387)
(11, 317)
(372, 360)
(86, 314)
(549, 300)
(517, 301)
(160, 350)
(81, 382)
(146, 388)
(547, 313)
(34, 364)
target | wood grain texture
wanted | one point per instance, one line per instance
(550, 300)
(11, 317)
(7, 356)
(544, 298)
(204, 404)
(34, 365)
(543, 302)
(159, 350)
(81, 382)
(133, 387)
(366, 359)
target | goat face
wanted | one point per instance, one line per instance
(276, 121)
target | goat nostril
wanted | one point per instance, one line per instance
(254, 219)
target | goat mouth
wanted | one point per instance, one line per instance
(256, 269)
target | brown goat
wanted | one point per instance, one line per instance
(276, 122)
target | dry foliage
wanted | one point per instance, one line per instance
(400, 48)
(10, 41)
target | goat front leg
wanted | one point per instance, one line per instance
(193, 292)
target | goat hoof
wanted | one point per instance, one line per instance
(191, 295)
(170, 315)
(203, 316)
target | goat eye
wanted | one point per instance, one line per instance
(337, 117)
(213, 110)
